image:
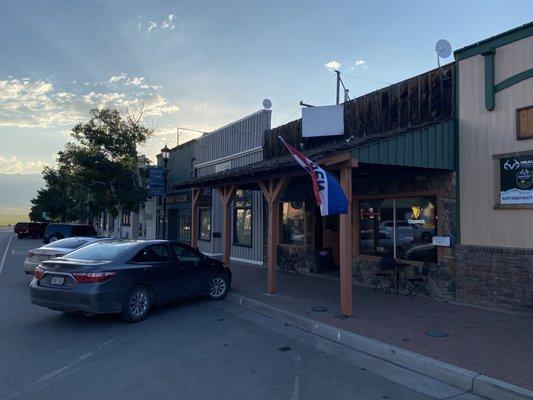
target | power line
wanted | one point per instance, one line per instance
(310, 98)
(366, 79)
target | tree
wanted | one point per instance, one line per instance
(100, 171)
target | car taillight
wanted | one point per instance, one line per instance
(93, 277)
(39, 272)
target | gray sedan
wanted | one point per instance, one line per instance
(127, 277)
(56, 249)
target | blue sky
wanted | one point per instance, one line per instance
(202, 64)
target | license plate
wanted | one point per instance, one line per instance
(57, 280)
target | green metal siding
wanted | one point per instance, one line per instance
(430, 147)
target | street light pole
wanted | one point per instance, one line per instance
(165, 155)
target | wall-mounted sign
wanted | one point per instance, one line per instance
(323, 121)
(516, 180)
(156, 181)
(222, 166)
(441, 241)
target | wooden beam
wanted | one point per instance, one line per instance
(272, 190)
(194, 217)
(345, 246)
(226, 194)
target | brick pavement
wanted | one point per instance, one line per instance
(496, 344)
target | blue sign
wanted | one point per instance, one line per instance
(156, 181)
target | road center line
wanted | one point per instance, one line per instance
(5, 254)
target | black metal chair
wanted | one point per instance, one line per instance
(419, 284)
(386, 274)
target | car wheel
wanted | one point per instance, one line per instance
(137, 304)
(53, 238)
(218, 287)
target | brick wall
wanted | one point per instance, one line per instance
(495, 276)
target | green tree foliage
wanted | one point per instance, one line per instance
(100, 171)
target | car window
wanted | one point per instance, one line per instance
(184, 254)
(69, 243)
(83, 230)
(155, 253)
(101, 251)
(62, 229)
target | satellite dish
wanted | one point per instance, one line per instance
(267, 104)
(443, 48)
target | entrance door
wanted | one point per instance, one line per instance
(331, 235)
(173, 220)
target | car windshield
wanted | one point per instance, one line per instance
(101, 251)
(69, 243)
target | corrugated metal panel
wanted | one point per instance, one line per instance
(430, 147)
(239, 136)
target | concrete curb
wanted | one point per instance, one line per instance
(464, 379)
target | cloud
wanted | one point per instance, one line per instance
(117, 78)
(332, 65)
(12, 165)
(165, 24)
(359, 64)
(26, 103)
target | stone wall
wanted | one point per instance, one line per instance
(495, 277)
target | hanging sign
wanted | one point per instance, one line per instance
(516, 180)
(156, 181)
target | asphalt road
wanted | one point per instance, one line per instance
(192, 350)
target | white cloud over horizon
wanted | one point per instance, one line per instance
(12, 165)
(29, 103)
(332, 65)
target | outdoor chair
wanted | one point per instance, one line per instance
(419, 284)
(385, 275)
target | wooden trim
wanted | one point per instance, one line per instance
(513, 154)
(520, 135)
(434, 192)
(345, 246)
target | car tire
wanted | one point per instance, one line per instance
(218, 287)
(53, 238)
(136, 304)
(20, 236)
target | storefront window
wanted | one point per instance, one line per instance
(242, 218)
(205, 224)
(293, 223)
(184, 227)
(401, 227)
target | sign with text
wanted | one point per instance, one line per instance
(516, 180)
(441, 241)
(156, 181)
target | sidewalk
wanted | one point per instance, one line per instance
(496, 344)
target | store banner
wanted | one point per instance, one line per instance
(516, 180)
(156, 181)
(328, 193)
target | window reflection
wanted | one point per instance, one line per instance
(401, 228)
(293, 223)
(242, 218)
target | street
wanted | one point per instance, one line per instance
(192, 350)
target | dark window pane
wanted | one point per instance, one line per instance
(242, 217)
(185, 227)
(156, 253)
(185, 254)
(205, 224)
(293, 223)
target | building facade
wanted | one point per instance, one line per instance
(495, 121)
(235, 145)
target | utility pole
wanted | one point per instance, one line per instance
(338, 85)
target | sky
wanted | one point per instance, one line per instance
(203, 64)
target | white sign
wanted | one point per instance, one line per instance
(441, 241)
(323, 121)
(222, 166)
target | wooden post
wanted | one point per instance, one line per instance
(226, 195)
(194, 217)
(272, 191)
(345, 245)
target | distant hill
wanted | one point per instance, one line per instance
(16, 191)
